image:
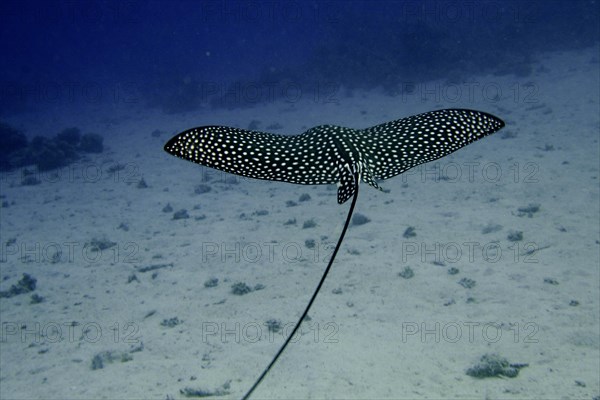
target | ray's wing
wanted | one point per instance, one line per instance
(309, 159)
(394, 147)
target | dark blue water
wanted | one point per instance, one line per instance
(179, 55)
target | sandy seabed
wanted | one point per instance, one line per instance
(136, 320)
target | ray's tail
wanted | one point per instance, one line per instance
(313, 297)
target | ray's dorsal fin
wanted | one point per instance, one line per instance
(347, 185)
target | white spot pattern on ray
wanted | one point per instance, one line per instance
(329, 154)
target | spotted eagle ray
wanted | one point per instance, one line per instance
(328, 154)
